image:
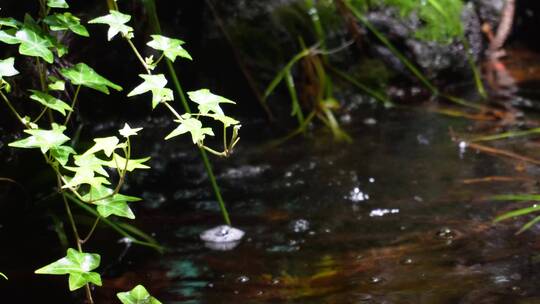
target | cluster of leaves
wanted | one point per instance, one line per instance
(88, 175)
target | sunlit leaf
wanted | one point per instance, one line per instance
(226, 120)
(84, 176)
(171, 47)
(194, 127)
(138, 295)
(8, 37)
(66, 21)
(62, 153)
(116, 22)
(50, 102)
(42, 139)
(10, 22)
(155, 84)
(76, 264)
(208, 102)
(82, 74)
(57, 4)
(56, 84)
(91, 162)
(127, 131)
(105, 144)
(118, 162)
(7, 67)
(33, 44)
(109, 204)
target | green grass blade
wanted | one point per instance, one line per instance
(296, 109)
(518, 212)
(385, 101)
(506, 135)
(150, 6)
(529, 225)
(283, 72)
(516, 197)
(114, 226)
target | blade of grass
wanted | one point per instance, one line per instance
(115, 226)
(516, 197)
(505, 135)
(155, 24)
(516, 213)
(529, 225)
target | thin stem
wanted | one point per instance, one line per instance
(215, 186)
(224, 138)
(40, 115)
(138, 55)
(159, 59)
(73, 103)
(222, 154)
(173, 111)
(4, 97)
(91, 231)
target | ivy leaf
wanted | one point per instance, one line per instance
(118, 162)
(8, 36)
(105, 144)
(109, 204)
(91, 162)
(138, 295)
(62, 153)
(56, 84)
(171, 47)
(50, 102)
(116, 22)
(78, 265)
(226, 120)
(194, 127)
(66, 21)
(82, 74)
(33, 44)
(7, 68)
(127, 131)
(208, 102)
(10, 22)
(43, 139)
(155, 84)
(57, 4)
(84, 175)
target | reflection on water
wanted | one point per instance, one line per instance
(386, 219)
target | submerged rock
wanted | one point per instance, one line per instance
(222, 237)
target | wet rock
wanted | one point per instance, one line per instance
(222, 237)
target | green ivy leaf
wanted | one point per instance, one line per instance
(82, 74)
(10, 22)
(56, 84)
(108, 204)
(118, 162)
(33, 44)
(62, 153)
(84, 175)
(116, 22)
(155, 84)
(78, 265)
(57, 4)
(50, 102)
(105, 144)
(66, 21)
(171, 47)
(43, 139)
(208, 102)
(194, 127)
(91, 162)
(8, 36)
(138, 295)
(7, 68)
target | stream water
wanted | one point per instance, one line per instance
(395, 217)
(401, 215)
